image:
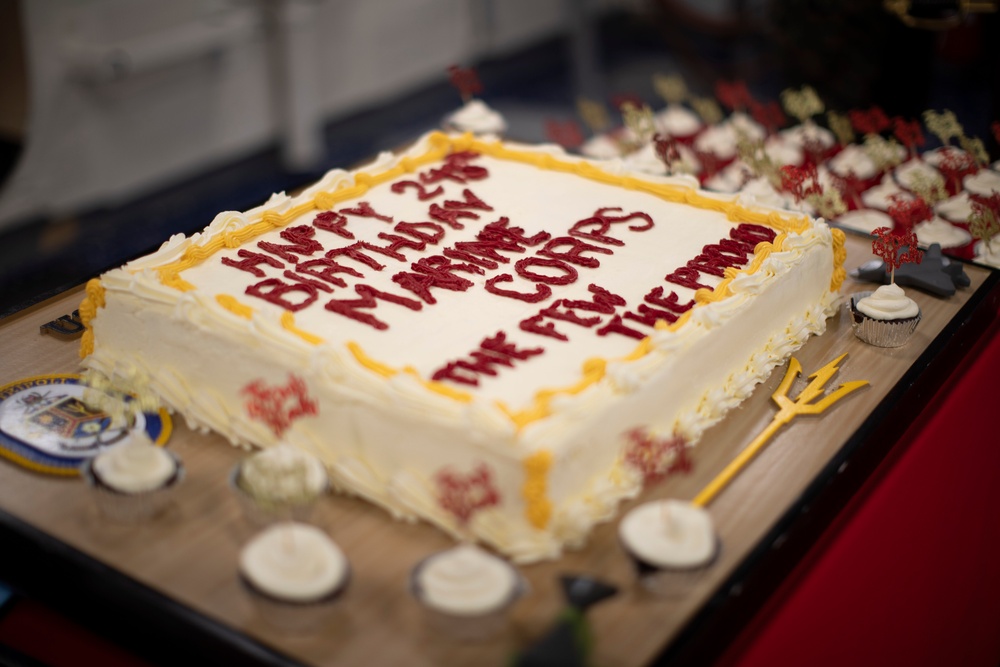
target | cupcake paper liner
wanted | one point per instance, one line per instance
(126, 507)
(262, 514)
(462, 627)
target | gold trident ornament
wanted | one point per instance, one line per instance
(788, 410)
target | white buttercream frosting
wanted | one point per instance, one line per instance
(669, 534)
(852, 160)
(282, 473)
(888, 302)
(135, 466)
(465, 581)
(294, 562)
(941, 232)
(957, 208)
(477, 117)
(865, 220)
(677, 120)
(989, 253)
(882, 195)
(984, 182)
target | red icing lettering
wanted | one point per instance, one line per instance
(332, 222)
(534, 325)
(325, 269)
(650, 316)
(616, 326)
(752, 234)
(568, 315)
(603, 301)
(302, 242)
(429, 274)
(294, 277)
(575, 254)
(428, 232)
(542, 292)
(356, 253)
(671, 302)
(492, 352)
(602, 222)
(569, 274)
(369, 299)
(499, 232)
(457, 169)
(450, 216)
(685, 276)
(423, 194)
(251, 260)
(364, 210)
(470, 201)
(274, 290)
(498, 344)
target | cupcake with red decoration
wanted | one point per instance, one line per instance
(887, 317)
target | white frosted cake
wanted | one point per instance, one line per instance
(467, 332)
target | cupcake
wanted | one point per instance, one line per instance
(671, 543)
(466, 592)
(295, 575)
(281, 483)
(885, 317)
(133, 480)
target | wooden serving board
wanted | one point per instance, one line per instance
(185, 561)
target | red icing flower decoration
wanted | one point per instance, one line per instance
(888, 243)
(465, 80)
(278, 406)
(464, 495)
(566, 133)
(906, 213)
(656, 459)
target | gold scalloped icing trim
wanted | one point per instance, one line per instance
(93, 300)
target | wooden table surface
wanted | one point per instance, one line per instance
(189, 554)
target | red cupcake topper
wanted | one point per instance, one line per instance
(872, 121)
(909, 134)
(801, 182)
(768, 114)
(566, 133)
(462, 495)
(465, 80)
(887, 245)
(733, 95)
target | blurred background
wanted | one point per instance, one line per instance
(123, 122)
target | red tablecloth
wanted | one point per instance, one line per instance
(909, 573)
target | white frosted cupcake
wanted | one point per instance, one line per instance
(671, 543)
(477, 117)
(885, 317)
(295, 575)
(133, 481)
(466, 592)
(280, 483)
